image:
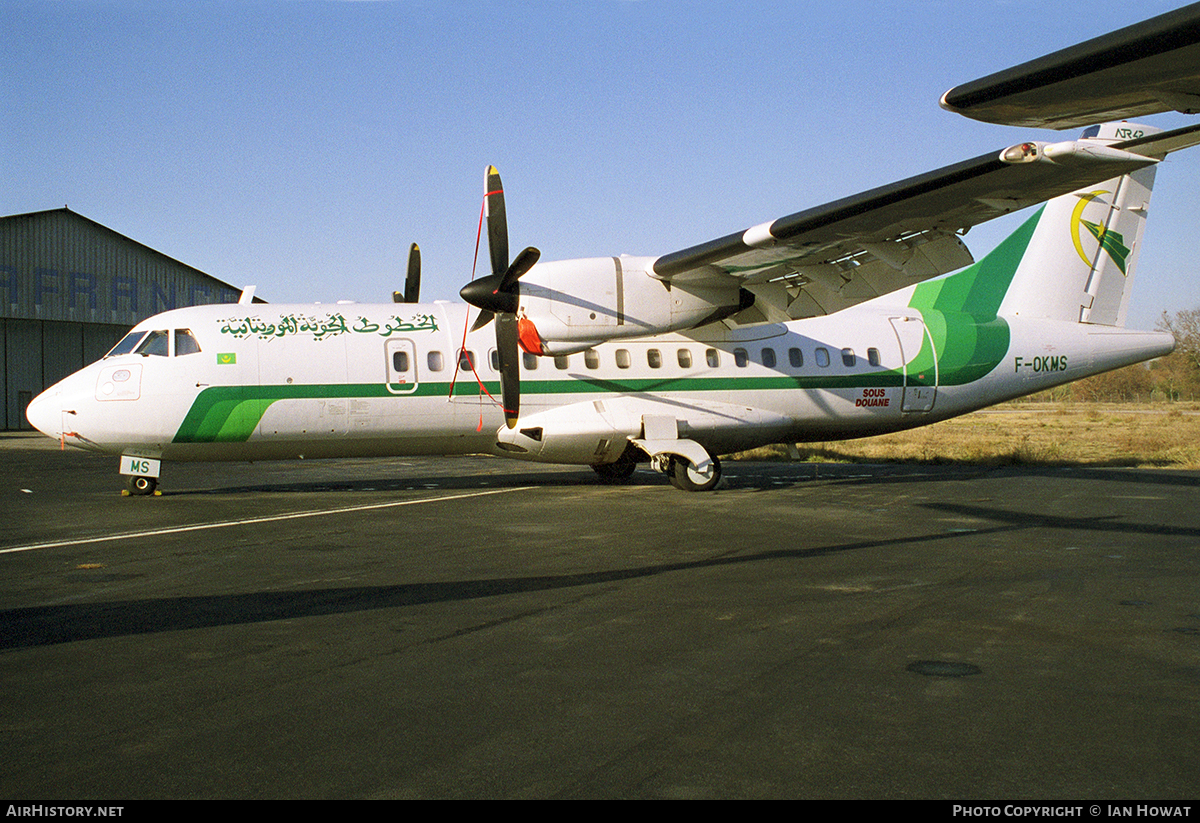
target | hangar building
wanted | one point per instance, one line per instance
(69, 289)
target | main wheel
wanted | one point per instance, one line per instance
(615, 472)
(140, 485)
(685, 476)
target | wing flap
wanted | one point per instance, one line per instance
(872, 243)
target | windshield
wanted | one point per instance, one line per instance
(156, 343)
(185, 343)
(127, 344)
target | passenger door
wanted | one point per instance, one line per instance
(401, 365)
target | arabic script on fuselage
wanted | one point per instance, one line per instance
(331, 325)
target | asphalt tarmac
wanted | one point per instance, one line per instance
(474, 627)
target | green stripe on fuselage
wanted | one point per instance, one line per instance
(231, 413)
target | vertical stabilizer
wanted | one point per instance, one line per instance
(1081, 259)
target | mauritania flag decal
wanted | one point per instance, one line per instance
(226, 358)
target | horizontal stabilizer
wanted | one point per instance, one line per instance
(1160, 144)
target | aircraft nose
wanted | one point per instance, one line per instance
(44, 412)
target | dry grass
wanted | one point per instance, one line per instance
(1144, 435)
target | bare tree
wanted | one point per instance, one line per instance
(1185, 325)
(1178, 374)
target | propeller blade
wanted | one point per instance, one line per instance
(412, 283)
(497, 221)
(519, 267)
(510, 367)
(482, 320)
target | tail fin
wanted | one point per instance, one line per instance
(1080, 261)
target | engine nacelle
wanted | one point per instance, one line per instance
(571, 305)
(582, 433)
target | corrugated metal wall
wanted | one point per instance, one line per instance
(69, 288)
(39, 353)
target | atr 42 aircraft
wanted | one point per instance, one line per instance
(836, 322)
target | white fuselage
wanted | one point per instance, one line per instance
(327, 380)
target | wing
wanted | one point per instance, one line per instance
(830, 257)
(1146, 68)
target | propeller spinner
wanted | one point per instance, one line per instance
(497, 295)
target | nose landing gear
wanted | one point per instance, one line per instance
(142, 473)
(140, 486)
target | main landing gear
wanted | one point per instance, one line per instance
(616, 472)
(683, 475)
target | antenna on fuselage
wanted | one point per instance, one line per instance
(247, 294)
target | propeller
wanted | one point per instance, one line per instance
(497, 296)
(412, 283)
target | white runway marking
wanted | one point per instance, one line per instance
(253, 520)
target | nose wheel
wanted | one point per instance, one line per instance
(140, 486)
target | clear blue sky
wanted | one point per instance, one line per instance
(301, 145)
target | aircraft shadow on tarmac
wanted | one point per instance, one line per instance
(417, 482)
(742, 475)
(49, 625)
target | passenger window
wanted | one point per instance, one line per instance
(185, 343)
(740, 358)
(654, 358)
(873, 357)
(400, 361)
(127, 344)
(685, 359)
(591, 359)
(623, 360)
(562, 361)
(768, 358)
(712, 358)
(156, 343)
(796, 358)
(466, 359)
(822, 357)
(529, 361)
(495, 358)
(848, 358)
(435, 361)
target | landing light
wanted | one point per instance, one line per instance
(1021, 153)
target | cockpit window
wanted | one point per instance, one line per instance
(156, 343)
(127, 343)
(185, 343)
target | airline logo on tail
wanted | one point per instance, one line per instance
(1110, 241)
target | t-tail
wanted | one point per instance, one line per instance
(1048, 305)
(1081, 258)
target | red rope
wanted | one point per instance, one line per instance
(463, 348)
